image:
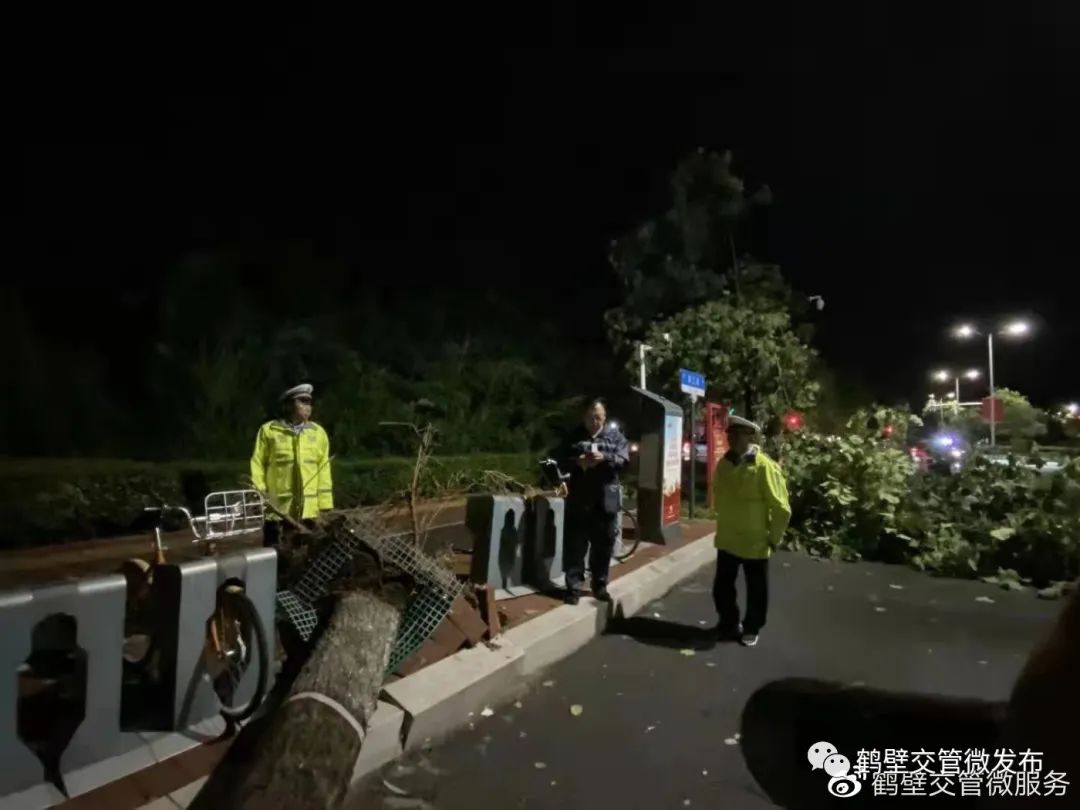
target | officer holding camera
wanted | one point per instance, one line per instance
(595, 453)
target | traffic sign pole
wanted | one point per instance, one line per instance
(693, 457)
(693, 384)
(993, 425)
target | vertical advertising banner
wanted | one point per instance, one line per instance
(672, 484)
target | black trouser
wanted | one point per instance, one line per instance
(592, 530)
(272, 533)
(756, 573)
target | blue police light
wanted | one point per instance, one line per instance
(944, 440)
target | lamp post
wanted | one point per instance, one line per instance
(1015, 329)
(943, 375)
(641, 349)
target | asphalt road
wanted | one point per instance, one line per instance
(657, 725)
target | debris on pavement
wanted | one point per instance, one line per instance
(985, 599)
(704, 773)
(394, 788)
(702, 622)
(576, 710)
(731, 741)
(649, 728)
(879, 609)
(983, 663)
(539, 765)
(896, 587)
(710, 663)
(548, 684)
(522, 735)
(687, 652)
(517, 704)
(656, 615)
(487, 712)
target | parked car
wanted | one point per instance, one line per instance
(943, 453)
(701, 451)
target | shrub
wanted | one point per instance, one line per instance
(52, 501)
(853, 496)
(846, 494)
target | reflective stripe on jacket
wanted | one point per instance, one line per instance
(751, 503)
(293, 468)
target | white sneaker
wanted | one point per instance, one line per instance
(749, 639)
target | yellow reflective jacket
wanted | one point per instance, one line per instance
(293, 468)
(751, 503)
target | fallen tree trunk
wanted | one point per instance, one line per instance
(305, 755)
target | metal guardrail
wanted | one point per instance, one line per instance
(78, 630)
(499, 527)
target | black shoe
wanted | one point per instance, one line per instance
(571, 597)
(600, 593)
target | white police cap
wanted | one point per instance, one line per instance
(738, 420)
(302, 390)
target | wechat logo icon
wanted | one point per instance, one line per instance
(824, 756)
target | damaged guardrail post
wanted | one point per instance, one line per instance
(497, 523)
(544, 543)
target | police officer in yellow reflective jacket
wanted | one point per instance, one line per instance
(291, 464)
(750, 498)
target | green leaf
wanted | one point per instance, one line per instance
(1003, 533)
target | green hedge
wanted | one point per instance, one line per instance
(46, 501)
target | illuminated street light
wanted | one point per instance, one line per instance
(972, 374)
(941, 376)
(951, 395)
(1016, 328)
(1072, 409)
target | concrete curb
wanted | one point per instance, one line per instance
(382, 743)
(441, 697)
(438, 699)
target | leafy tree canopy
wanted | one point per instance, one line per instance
(687, 255)
(744, 353)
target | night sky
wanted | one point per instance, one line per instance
(924, 164)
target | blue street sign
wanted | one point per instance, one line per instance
(692, 383)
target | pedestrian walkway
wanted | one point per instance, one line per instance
(648, 716)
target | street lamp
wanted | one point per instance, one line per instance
(645, 347)
(944, 375)
(1011, 329)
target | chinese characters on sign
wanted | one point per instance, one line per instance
(945, 772)
(672, 483)
(955, 772)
